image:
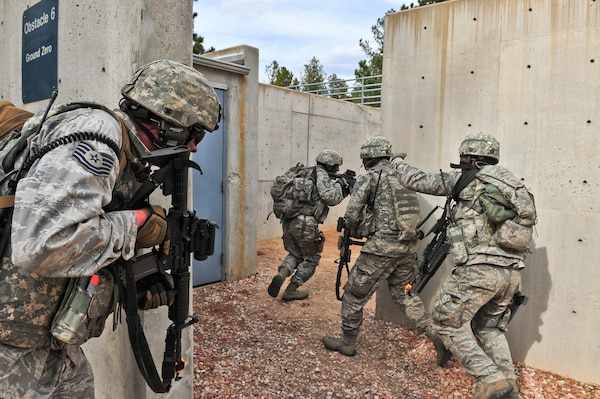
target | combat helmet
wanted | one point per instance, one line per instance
(330, 158)
(482, 146)
(176, 94)
(375, 147)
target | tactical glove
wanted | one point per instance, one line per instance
(154, 229)
(398, 159)
(155, 290)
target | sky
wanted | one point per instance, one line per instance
(292, 32)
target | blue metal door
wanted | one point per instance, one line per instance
(209, 197)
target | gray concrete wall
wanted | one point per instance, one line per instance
(100, 44)
(526, 72)
(294, 127)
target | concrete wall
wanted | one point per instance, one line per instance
(527, 73)
(294, 127)
(100, 44)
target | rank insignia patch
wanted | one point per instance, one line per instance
(92, 160)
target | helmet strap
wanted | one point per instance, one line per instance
(137, 114)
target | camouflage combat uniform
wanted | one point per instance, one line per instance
(389, 252)
(59, 231)
(64, 225)
(480, 287)
(302, 238)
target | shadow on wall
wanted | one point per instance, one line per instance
(536, 283)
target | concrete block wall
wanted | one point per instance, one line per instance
(294, 127)
(527, 73)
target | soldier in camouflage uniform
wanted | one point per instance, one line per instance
(481, 286)
(301, 235)
(385, 212)
(63, 227)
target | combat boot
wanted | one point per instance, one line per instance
(291, 293)
(346, 345)
(443, 354)
(514, 394)
(494, 390)
(275, 285)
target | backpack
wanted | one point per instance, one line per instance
(292, 191)
(510, 208)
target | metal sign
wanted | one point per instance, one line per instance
(39, 63)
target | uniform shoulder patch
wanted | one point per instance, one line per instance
(93, 161)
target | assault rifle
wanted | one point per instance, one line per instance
(435, 252)
(344, 243)
(188, 235)
(348, 175)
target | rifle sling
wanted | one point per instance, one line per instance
(463, 181)
(139, 344)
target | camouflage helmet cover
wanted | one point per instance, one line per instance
(375, 147)
(330, 157)
(176, 93)
(480, 144)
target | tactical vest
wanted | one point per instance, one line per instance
(406, 208)
(29, 303)
(397, 209)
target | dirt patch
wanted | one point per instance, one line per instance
(249, 345)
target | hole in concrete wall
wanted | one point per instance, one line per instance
(469, 125)
(103, 69)
(472, 72)
(474, 19)
(424, 27)
(592, 60)
(528, 66)
(526, 123)
(423, 77)
(530, 9)
(589, 121)
(420, 126)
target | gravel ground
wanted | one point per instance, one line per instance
(249, 345)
